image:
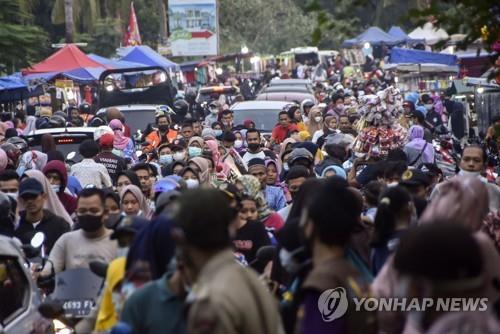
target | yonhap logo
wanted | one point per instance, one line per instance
(332, 304)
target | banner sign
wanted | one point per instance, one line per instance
(193, 26)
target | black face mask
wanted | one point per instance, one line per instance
(163, 127)
(253, 147)
(90, 223)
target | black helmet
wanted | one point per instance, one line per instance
(84, 108)
(190, 95)
(181, 107)
(20, 143)
(6, 212)
(57, 121)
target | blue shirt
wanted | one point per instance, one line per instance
(275, 197)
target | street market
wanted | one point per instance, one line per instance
(207, 180)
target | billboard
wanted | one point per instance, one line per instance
(193, 27)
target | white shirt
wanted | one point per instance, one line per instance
(90, 172)
(249, 156)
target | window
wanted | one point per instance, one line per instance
(14, 289)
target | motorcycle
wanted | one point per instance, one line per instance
(75, 295)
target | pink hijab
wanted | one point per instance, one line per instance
(120, 142)
(461, 199)
(221, 168)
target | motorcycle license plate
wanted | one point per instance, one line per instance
(78, 308)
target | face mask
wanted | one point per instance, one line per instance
(113, 219)
(122, 251)
(340, 107)
(226, 123)
(253, 146)
(55, 187)
(117, 152)
(90, 223)
(428, 107)
(238, 144)
(178, 156)
(285, 166)
(192, 184)
(194, 151)
(218, 133)
(332, 129)
(318, 119)
(163, 127)
(288, 261)
(214, 111)
(467, 173)
(13, 196)
(118, 301)
(166, 159)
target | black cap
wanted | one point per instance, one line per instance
(30, 186)
(256, 162)
(414, 177)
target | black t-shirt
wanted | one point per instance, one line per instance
(113, 163)
(250, 238)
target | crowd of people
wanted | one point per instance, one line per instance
(246, 230)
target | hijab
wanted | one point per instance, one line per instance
(30, 125)
(251, 188)
(222, 169)
(463, 200)
(196, 139)
(284, 144)
(137, 193)
(417, 142)
(35, 160)
(270, 161)
(312, 125)
(3, 160)
(53, 204)
(120, 142)
(203, 167)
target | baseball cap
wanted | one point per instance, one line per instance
(300, 153)
(106, 140)
(414, 177)
(30, 186)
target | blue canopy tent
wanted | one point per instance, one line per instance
(13, 88)
(84, 74)
(374, 36)
(411, 56)
(397, 32)
(143, 54)
(114, 63)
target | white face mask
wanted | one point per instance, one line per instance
(192, 183)
(285, 166)
(165, 159)
(214, 111)
(288, 262)
(428, 106)
(117, 152)
(13, 195)
(467, 173)
(179, 156)
(318, 119)
(55, 187)
(238, 143)
(122, 251)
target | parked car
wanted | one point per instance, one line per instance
(67, 139)
(283, 88)
(286, 96)
(19, 294)
(263, 113)
(290, 82)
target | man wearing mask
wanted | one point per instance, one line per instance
(56, 173)
(215, 108)
(91, 242)
(202, 234)
(433, 118)
(295, 177)
(227, 118)
(35, 218)
(162, 134)
(9, 183)
(472, 164)
(254, 149)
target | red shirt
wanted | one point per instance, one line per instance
(280, 133)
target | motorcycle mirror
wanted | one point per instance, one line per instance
(70, 155)
(99, 268)
(37, 240)
(138, 153)
(51, 309)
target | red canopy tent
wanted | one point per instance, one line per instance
(67, 58)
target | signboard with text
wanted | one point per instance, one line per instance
(193, 26)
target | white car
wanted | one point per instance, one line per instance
(263, 113)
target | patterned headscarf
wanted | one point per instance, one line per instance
(251, 188)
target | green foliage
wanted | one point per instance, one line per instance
(20, 41)
(268, 27)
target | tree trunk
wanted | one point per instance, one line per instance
(163, 22)
(68, 19)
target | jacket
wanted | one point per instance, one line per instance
(228, 298)
(51, 225)
(68, 201)
(154, 139)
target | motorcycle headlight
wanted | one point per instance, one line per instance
(61, 328)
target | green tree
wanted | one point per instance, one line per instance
(263, 26)
(21, 41)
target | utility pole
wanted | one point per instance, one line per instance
(163, 21)
(68, 20)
